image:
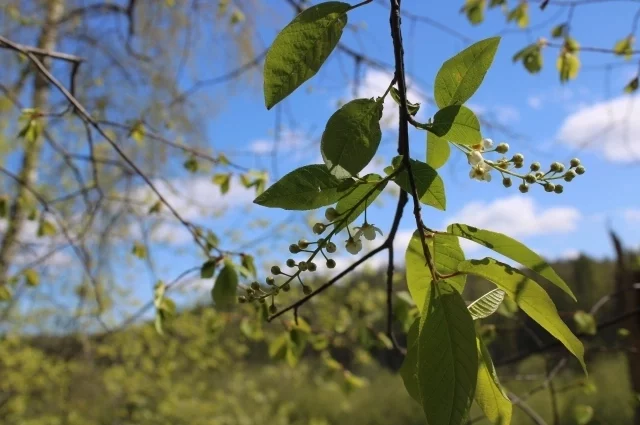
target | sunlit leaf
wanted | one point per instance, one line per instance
(301, 48)
(438, 150)
(520, 15)
(487, 304)
(208, 269)
(409, 368)
(632, 85)
(31, 277)
(585, 323)
(624, 47)
(458, 124)
(583, 414)
(370, 190)
(224, 289)
(489, 394)
(429, 185)
(568, 65)
(413, 108)
(474, 9)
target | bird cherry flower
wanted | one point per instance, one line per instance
(353, 245)
(481, 172)
(368, 231)
(484, 145)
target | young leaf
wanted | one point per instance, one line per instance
(583, 414)
(139, 250)
(208, 269)
(301, 48)
(191, 164)
(429, 185)
(459, 77)
(46, 228)
(409, 368)
(531, 57)
(568, 65)
(279, 346)
(355, 195)
(5, 293)
(487, 304)
(458, 124)
(474, 9)
(489, 394)
(559, 31)
(31, 277)
(529, 296)
(447, 356)
(585, 323)
(510, 248)
(631, 87)
(438, 150)
(520, 14)
(224, 289)
(248, 263)
(351, 137)
(624, 47)
(446, 253)
(413, 108)
(305, 188)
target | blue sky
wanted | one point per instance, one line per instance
(545, 120)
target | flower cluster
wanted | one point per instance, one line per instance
(481, 168)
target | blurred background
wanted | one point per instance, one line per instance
(104, 315)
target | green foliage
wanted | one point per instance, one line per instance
(583, 414)
(208, 269)
(632, 86)
(529, 296)
(139, 250)
(446, 355)
(305, 188)
(46, 228)
(585, 323)
(225, 286)
(351, 137)
(531, 57)
(408, 371)
(412, 108)
(489, 394)
(568, 65)
(460, 77)
(31, 277)
(474, 9)
(487, 304)
(624, 47)
(520, 15)
(301, 48)
(438, 151)
(359, 198)
(512, 249)
(429, 185)
(457, 124)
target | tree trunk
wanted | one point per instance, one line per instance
(18, 211)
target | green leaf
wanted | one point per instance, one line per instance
(301, 48)
(224, 289)
(139, 250)
(458, 124)
(583, 414)
(413, 108)
(5, 293)
(624, 47)
(512, 249)
(4, 206)
(447, 356)
(568, 65)
(191, 164)
(531, 57)
(520, 14)
(487, 304)
(223, 181)
(409, 368)
(474, 9)
(585, 323)
(305, 188)
(351, 137)
(559, 31)
(438, 150)
(208, 269)
(155, 208)
(355, 195)
(631, 87)
(446, 253)
(279, 346)
(429, 185)
(495, 3)
(46, 228)
(137, 132)
(459, 77)
(249, 264)
(489, 394)
(31, 277)
(529, 296)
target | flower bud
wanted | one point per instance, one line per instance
(518, 158)
(255, 286)
(331, 214)
(580, 170)
(275, 270)
(518, 165)
(530, 178)
(319, 228)
(549, 187)
(539, 175)
(312, 266)
(273, 309)
(331, 263)
(569, 175)
(270, 281)
(303, 243)
(502, 148)
(294, 249)
(558, 189)
(291, 262)
(242, 299)
(262, 300)
(524, 188)
(302, 266)
(286, 287)
(557, 167)
(249, 291)
(535, 166)
(574, 162)
(331, 248)
(506, 182)
(306, 289)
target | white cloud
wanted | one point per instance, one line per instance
(569, 254)
(535, 102)
(375, 83)
(609, 128)
(632, 215)
(518, 216)
(289, 140)
(504, 114)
